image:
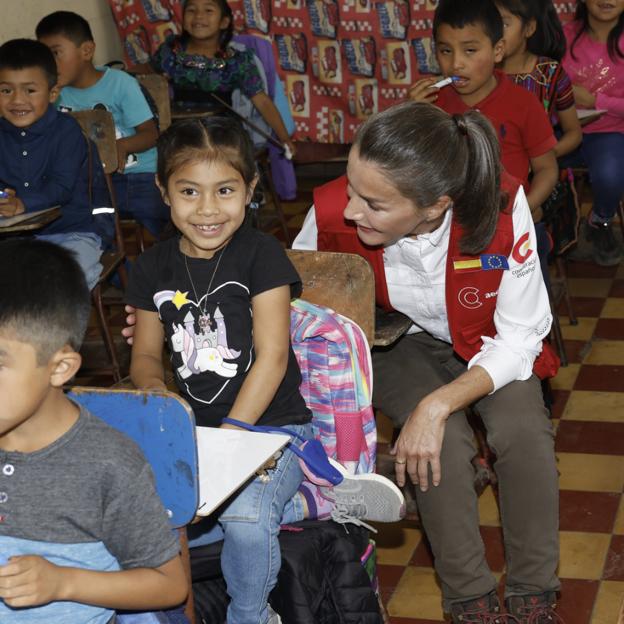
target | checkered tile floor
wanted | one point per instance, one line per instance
(589, 418)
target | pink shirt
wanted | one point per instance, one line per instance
(597, 72)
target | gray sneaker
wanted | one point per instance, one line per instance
(362, 497)
(274, 618)
(606, 250)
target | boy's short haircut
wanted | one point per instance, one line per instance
(46, 301)
(460, 13)
(19, 54)
(66, 23)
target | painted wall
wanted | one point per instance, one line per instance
(18, 18)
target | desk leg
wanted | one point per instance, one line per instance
(189, 609)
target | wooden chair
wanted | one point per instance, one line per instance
(341, 281)
(99, 127)
(158, 87)
(163, 426)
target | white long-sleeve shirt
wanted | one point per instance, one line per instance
(416, 276)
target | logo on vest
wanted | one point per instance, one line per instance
(468, 297)
(522, 249)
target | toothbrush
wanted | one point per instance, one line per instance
(444, 82)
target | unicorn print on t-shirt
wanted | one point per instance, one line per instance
(203, 350)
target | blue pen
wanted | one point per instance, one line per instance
(3, 560)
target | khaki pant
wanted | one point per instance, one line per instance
(520, 433)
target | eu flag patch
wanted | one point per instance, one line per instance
(485, 262)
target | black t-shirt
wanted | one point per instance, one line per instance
(211, 343)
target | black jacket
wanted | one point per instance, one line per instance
(321, 580)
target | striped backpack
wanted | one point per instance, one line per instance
(334, 358)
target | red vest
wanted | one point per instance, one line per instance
(471, 295)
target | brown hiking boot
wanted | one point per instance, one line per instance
(535, 608)
(484, 610)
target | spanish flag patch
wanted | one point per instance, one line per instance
(485, 262)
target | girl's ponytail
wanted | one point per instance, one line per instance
(427, 154)
(480, 200)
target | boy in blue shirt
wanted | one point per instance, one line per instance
(43, 154)
(85, 86)
(82, 531)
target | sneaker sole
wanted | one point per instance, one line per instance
(392, 512)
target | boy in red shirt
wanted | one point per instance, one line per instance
(469, 43)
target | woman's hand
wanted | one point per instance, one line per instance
(583, 97)
(423, 90)
(128, 331)
(420, 444)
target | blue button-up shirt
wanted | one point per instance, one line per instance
(46, 164)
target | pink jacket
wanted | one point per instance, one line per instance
(597, 72)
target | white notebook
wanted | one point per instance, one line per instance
(227, 458)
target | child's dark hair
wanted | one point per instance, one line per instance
(19, 54)
(66, 23)
(427, 154)
(548, 38)
(460, 13)
(212, 139)
(613, 40)
(227, 33)
(46, 302)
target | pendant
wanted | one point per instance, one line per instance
(204, 321)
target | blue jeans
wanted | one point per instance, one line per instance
(138, 197)
(249, 527)
(87, 249)
(603, 154)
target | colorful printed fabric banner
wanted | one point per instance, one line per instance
(340, 60)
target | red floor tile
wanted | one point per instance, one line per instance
(617, 288)
(609, 329)
(422, 556)
(589, 269)
(494, 549)
(389, 577)
(590, 437)
(560, 398)
(600, 378)
(576, 600)
(583, 306)
(576, 350)
(587, 511)
(614, 567)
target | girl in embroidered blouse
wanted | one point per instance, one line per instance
(595, 63)
(534, 48)
(200, 62)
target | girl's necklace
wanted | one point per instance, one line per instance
(204, 317)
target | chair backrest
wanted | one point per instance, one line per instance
(341, 281)
(158, 87)
(99, 126)
(163, 426)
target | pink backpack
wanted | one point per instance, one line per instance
(335, 362)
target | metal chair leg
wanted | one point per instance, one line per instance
(96, 295)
